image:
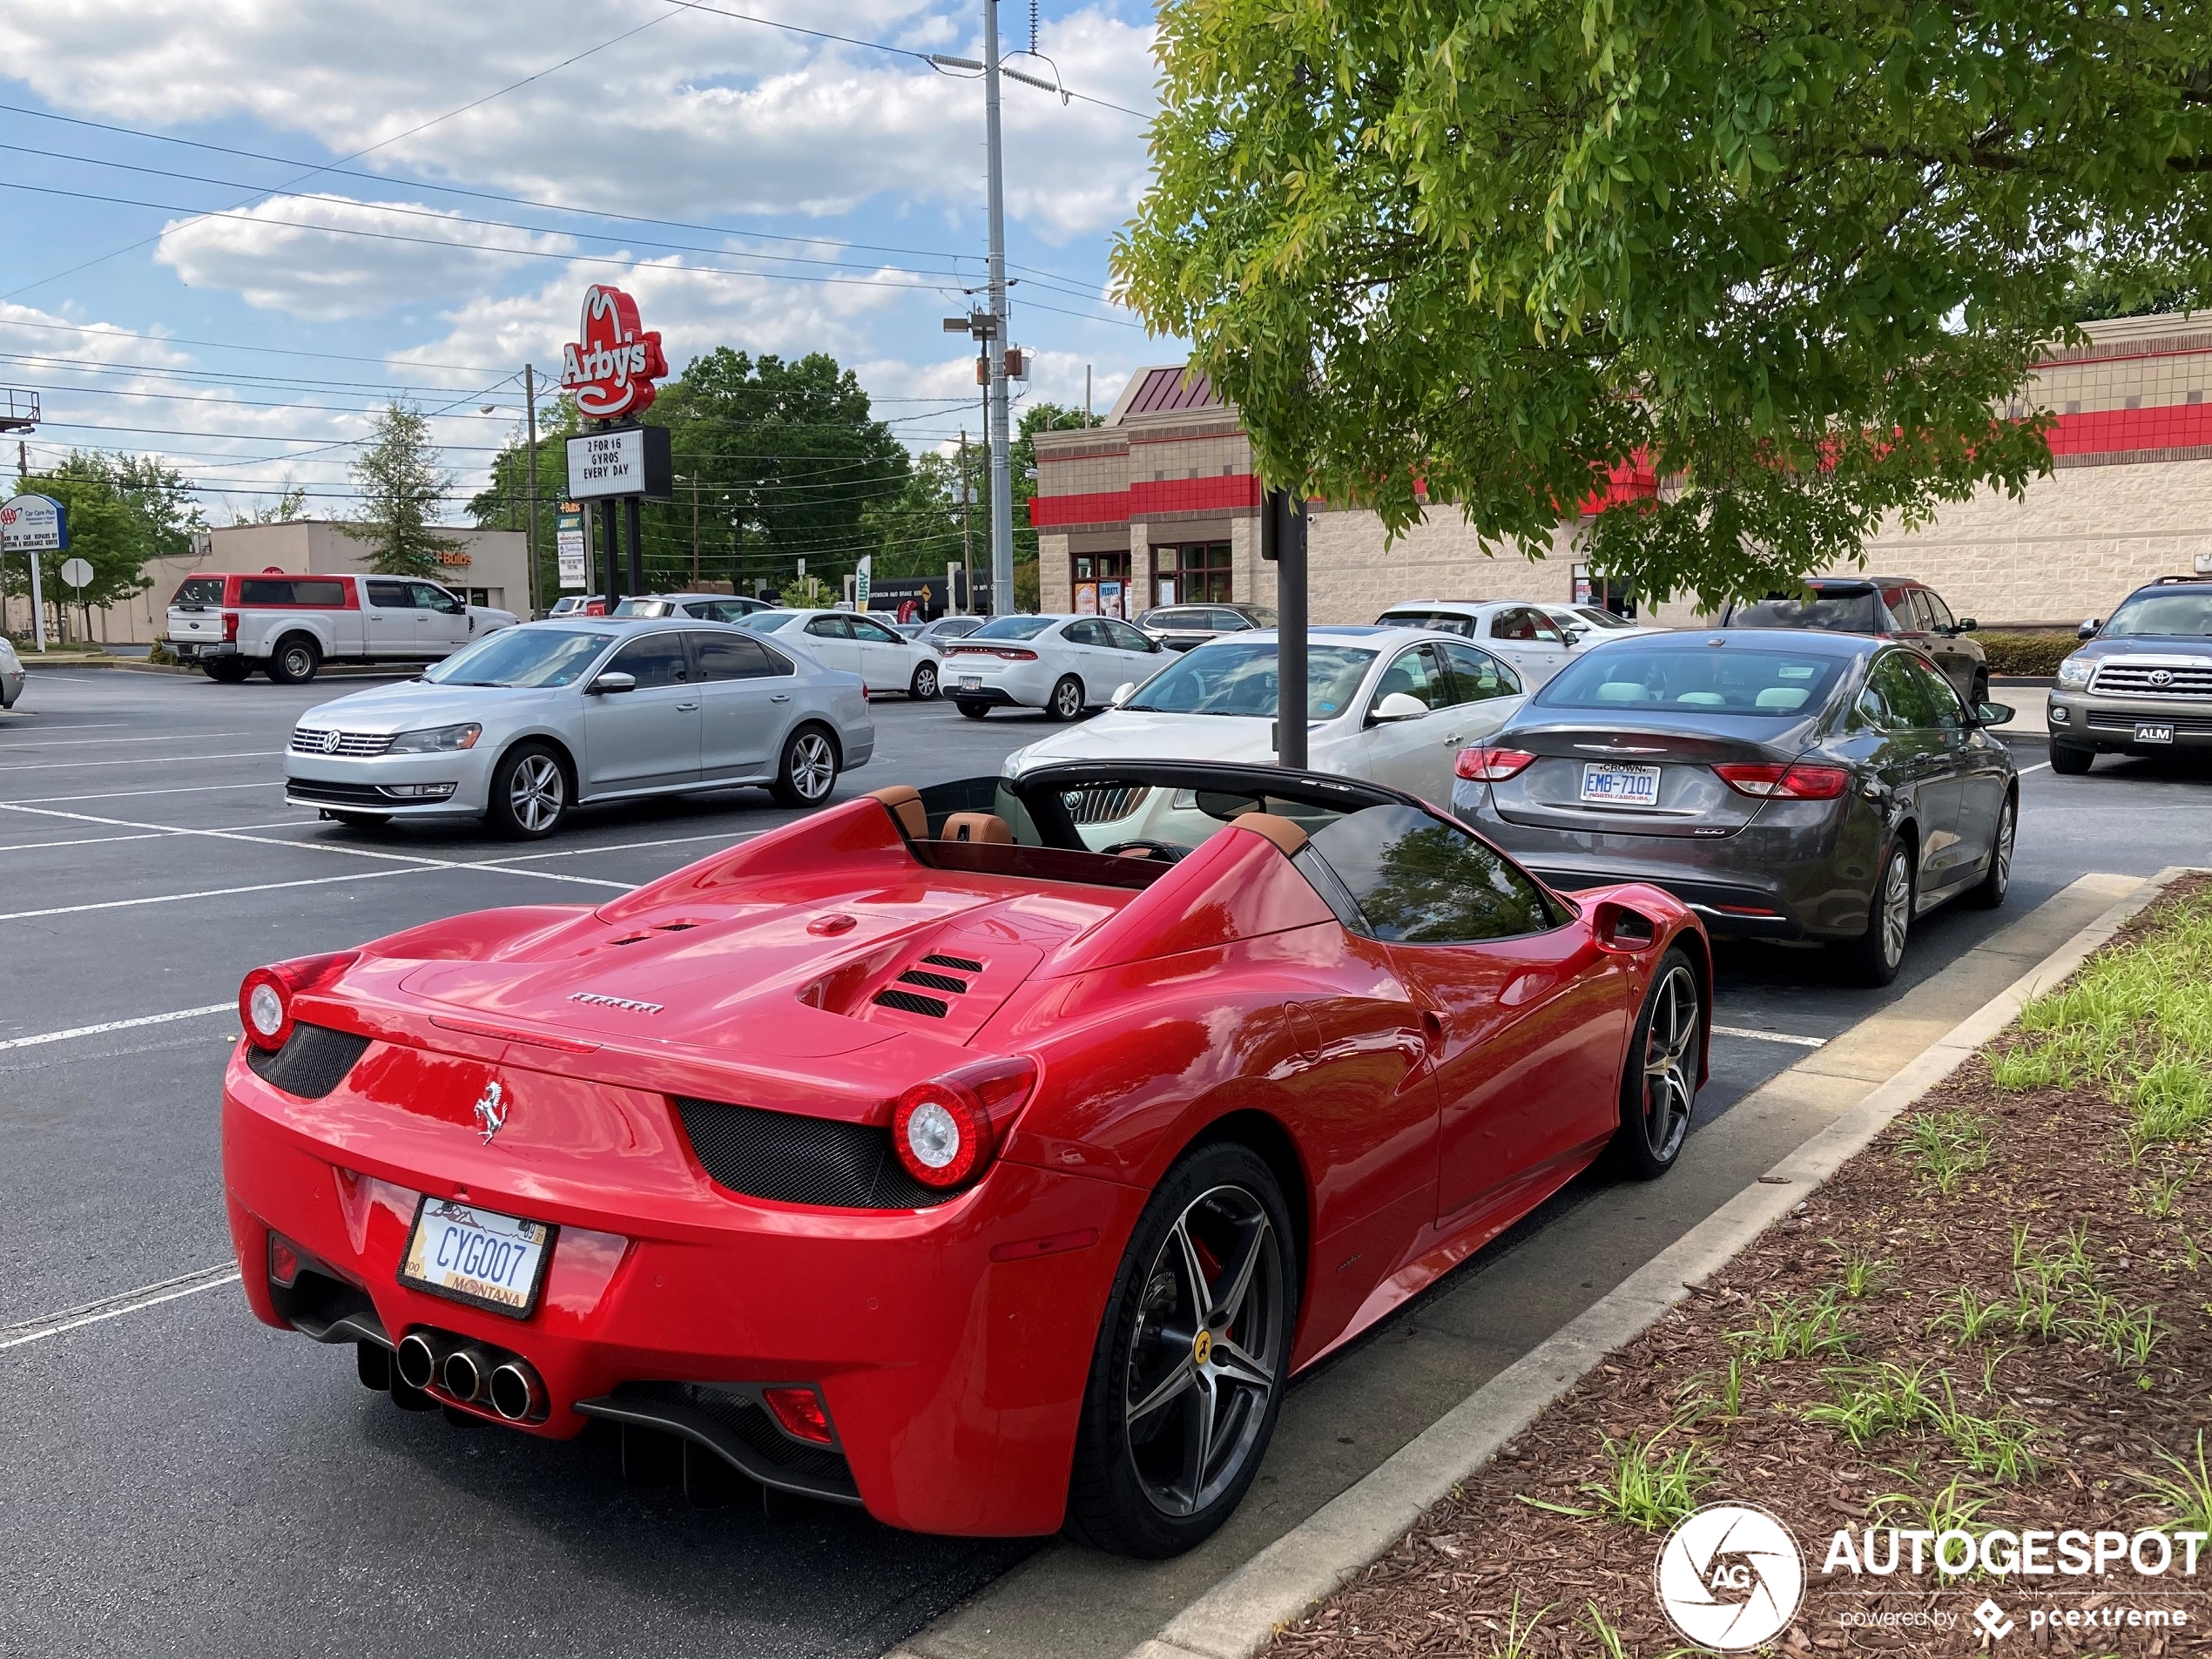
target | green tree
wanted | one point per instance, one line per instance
(290, 503)
(1790, 255)
(402, 490)
(917, 532)
(158, 498)
(1023, 454)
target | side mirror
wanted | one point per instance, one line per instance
(2087, 630)
(1967, 625)
(1121, 694)
(1398, 706)
(611, 682)
(1992, 713)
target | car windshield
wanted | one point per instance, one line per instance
(1836, 611)
(1700, 679)
(644, 607)
(1237, 677)
(953, 627)
(1598, 619)
(765, 621)
(1013, 627)
(524, 657)
(2189, 614)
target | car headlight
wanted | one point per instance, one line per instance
(437, 739)
(2073, 673)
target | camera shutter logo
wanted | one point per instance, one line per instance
(1729, 1576)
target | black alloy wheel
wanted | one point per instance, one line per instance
(1067, 701)
(1188, 1374)
(1659, 1085)
(1875, 956)
(296, 659)
(2070, 762)
(1990, 890)
(808, 771)
(923, 687)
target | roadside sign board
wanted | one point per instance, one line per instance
(622, 461)
(861, 582)
(76, 573)
(568, 544)
(33, 525)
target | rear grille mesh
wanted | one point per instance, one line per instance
(313, 1061)
(1104, 803)
(793, 1159)
(908, 1002)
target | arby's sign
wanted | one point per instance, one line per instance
(613, 366)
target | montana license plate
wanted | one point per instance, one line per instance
(2154, 732)
(1604, 786)
(478, 1257)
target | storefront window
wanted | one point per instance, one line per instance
(1102, 585)
(1603, 592)
(1195, 573)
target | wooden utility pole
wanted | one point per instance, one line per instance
(529, 410)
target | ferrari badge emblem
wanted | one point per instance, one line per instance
(491, 1110)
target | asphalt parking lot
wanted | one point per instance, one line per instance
(184, 1481)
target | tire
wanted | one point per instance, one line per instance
(808, 771)
(2070, 762)
(923, 687)
(1875, 956)
(1136, 1488)
(1989, 892)
(227, 670)
(1067, 700)
(972, 709)
(1659, 1084)
(296, 660)
(529, 792)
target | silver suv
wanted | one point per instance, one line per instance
(2141, 683)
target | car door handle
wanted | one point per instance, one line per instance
(685, 708)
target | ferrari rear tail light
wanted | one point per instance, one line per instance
(1487, 763)
(946, 1131)
(1799, 782)
(284, 1262)
(800, 1413)
(230, 627)
(265, 999)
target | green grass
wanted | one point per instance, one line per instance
(2187, 1491)
(1947, 1147)
(1953, 1508)
(1871, 1401)
(1863, 1275)
(1973, 1319)
(1642, 1485)
(1791, 1329)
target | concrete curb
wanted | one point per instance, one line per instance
(1238, 1616)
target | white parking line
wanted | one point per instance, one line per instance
(125, 794)
(146, 1296)
(207, 893)
(149, 760)
(88, 840)
(1770, 1036)
(106, 1026)
(174, 736)
(2041, 766)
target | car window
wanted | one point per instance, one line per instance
(1845, 610)
(1121, 637)
(1599, 618)
(1476, 675)
(1942, 699)
(735, 656)
(829, 627)
(330, 595)
(1226, 622)
(1631, 673)
(1169, 619)
(1415, 673)
(1013, 627)
(1524, 623)
(1083, 633)
(1896, 698)
(656, 660)
(535, 657)
(1938, 613)
(200, 591)
(1237, 677)
(644, 608)
(257, 590)
(2184, 615)
(393, 595)
(875, 633)
(1439, 621)
(430, 597)
(1420, 882)
(765, 621)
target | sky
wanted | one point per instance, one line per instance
(232, 230)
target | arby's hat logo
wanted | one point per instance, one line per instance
(613, 366)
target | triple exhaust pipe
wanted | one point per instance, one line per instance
(471, 1374)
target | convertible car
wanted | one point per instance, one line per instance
(940, 1155)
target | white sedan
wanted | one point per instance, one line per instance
(1393, 705)
(1063, 664)
(858, 645)
(1537, 639)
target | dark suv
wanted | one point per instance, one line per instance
(2141, 683)
(1891, 607)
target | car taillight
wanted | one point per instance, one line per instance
(265, 999)
(1785, 782)
(230, 625)
(801, 1414)
(946, 1131)
(1482, 762)
(1014, 654)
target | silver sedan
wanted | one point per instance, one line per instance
(530, 722)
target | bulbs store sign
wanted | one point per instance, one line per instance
(611, 369)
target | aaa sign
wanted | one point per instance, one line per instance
(611, 369)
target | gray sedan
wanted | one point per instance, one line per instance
(527, 723)
(1799, 785)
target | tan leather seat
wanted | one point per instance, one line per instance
(986, 827)
(903, 802)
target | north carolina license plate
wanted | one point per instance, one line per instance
(1605, 785)
(971, 682)
(2148, 732)
(477, 1255)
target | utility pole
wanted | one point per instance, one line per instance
(529, 411)
(695, 537)
(966, 526)
(1000, 438)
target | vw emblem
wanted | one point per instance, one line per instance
(491, 1110)
(2160, 677)
(330, 742)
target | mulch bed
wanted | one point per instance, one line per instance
(2056, 1160)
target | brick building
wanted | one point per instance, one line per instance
(1160, 505)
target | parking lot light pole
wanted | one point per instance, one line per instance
(1282, 539)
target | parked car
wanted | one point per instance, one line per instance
(706, 607)
(1803, 784)
(1595, 624)
(289, 627)
(522, 726)
(1063, 664)
(1389, 706)
(922, 1157)
(2141, 683)
(1886, 607)
(578, 604)
(935, 633)
(1519, 630)
(11, 673)
(1180, 627)
(858, 645)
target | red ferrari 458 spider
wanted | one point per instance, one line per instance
(989, 1156)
